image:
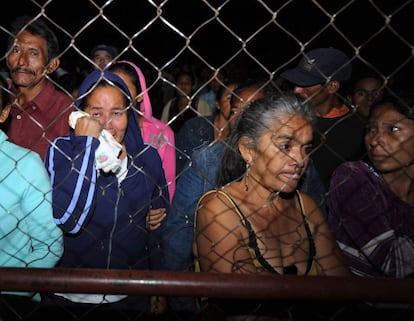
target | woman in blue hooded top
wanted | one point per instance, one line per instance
(105, 181)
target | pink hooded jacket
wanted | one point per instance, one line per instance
(157, 133)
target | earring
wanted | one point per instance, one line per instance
(246, 176)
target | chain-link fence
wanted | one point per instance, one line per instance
(243, 40)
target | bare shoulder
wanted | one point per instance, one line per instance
(311, 209)
(215, 205)
(215, 199)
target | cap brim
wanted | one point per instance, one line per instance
(302, 78)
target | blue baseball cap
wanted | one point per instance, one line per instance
(317, 66)
(106, 48)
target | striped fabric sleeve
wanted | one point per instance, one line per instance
(72, 171)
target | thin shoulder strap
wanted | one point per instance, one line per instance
(198, 205)
(258, 260)
(215, 192)
(312, 248)
(197, 267)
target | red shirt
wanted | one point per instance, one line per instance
(38, 122)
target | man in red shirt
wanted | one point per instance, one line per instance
(40, 111)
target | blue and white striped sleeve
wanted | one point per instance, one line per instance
(70, 162)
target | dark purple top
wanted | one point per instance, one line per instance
(374, 228)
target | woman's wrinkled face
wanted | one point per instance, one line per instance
(283, 154)
(389, 139)
(107, 106)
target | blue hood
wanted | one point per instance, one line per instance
(133, 138)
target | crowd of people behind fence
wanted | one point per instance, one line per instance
(229, 170)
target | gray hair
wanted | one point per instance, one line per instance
(255, 121)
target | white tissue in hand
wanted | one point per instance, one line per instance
(74, 116)
(106, 155)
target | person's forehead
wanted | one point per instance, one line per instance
(251, 94)
(368, 82)
(287, 124)
(106, 91)
(102, 52)
(28, 39)
(229, 90)
(184, 79)
(386, 111)
(247, 96)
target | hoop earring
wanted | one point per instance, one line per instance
(246, 183)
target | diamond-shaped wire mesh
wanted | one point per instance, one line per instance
(245, 40)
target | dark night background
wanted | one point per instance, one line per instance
(242, 32)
